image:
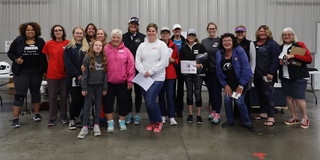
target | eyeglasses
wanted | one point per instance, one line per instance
(211, 29)
(288, 35)
(58, 30)
(228, 40)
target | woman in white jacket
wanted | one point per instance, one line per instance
(151, 60)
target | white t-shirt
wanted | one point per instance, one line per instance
(283, 53)
(152, 57)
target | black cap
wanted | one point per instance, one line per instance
(134, 19)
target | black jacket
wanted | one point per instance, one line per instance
(16, 50)
(267, 59)
(177, 66)
(245, 44)
(295, 71)
(73, 59)
(187, 53)
(134, 43)
(182, 38)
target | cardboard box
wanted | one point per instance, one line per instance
(11, 90)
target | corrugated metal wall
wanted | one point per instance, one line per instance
(301, 15)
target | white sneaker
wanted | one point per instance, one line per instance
(122, 125)
(163, 119)
(173, 122)
(83, 132)
(96, 130)
(110, 126)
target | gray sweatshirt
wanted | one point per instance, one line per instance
(211, 45)
(94, 77)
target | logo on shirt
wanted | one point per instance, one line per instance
(137, 40)
(215, 45)
(31, 50)
(227, 66)
(98, 66)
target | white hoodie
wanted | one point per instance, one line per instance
(152, 57)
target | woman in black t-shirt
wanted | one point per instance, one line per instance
(28, 67)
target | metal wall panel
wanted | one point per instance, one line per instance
(301, 15)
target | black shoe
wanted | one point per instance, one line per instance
(90, 126)
(37, 117)
(51, 122)
(227, 124)
(190, 119)
(15, 123)
(179, 114)
(250, 127)
(199, 120)
(72, 125)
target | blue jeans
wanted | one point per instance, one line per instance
(150, 97)
(242, 107)
(168, 90)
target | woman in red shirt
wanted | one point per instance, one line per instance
(168, 90)
(56, 74)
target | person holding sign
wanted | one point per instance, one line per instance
(294, 76)
(193, 53)
(151, 60)
(234, 73)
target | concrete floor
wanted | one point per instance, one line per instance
(35, 140)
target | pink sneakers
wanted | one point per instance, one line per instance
(157, 127)
(150, 126)
(216, 118)
(305, 123)
(292, 121)
(211, 115)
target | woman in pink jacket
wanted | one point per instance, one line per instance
(121, 71)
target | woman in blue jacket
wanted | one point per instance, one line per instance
(265, 74)
(234, 73)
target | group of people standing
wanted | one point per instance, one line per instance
(95, 72)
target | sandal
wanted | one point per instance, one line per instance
(266, 123)
(259, 117)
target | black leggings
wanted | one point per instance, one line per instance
(180, 93)
(77, 102)
(27, 79)
(121, 92)
(138, 98)
(194, 84)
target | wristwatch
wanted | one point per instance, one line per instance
(240, 86)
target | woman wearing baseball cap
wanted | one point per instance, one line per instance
(166, 96)
(190, 51)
